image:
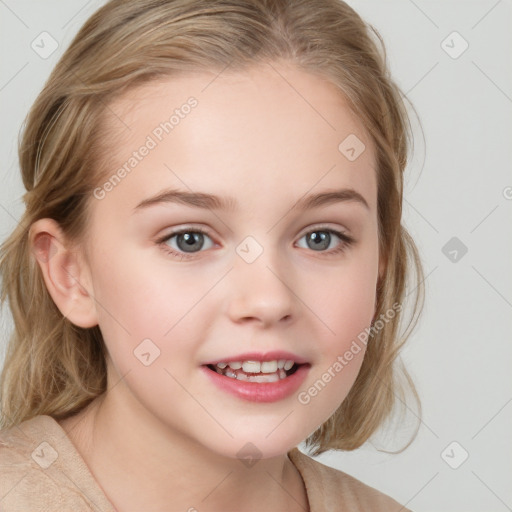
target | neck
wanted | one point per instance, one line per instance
(141, 465)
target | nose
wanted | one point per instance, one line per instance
(262, 292)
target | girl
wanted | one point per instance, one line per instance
(211, 267)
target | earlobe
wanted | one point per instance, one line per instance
(64, 272)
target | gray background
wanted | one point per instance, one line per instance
(459, 185)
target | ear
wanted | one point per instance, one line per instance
(65, 273)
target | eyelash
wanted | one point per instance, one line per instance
(346, 241)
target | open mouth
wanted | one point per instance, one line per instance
(254, 371)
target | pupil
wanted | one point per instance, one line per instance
(321, 241)
(190, 241)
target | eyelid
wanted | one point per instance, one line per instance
(185, 228)
(320, 226)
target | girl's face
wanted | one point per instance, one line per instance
(252, 273)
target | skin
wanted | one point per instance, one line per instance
(254, 137)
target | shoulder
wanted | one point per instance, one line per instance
(331, 489)
(40, 470)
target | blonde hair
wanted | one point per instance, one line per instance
(56, 368)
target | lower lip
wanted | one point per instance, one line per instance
(260, 391)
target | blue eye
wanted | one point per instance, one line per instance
(190, 241)
(321, 239)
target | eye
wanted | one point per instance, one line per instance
(321, 238)
(188, 241)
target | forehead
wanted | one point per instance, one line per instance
(270, 128)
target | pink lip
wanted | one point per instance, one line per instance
(256, 391)
(259, 356)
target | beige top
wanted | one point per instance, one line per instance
(41, 470)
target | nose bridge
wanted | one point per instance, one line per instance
(261, 287)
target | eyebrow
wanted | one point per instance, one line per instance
(213, 202)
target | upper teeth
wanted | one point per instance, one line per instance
(259, 367)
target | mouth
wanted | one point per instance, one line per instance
(259, 377)
(257, 371)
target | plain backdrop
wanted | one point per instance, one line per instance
(453, 59)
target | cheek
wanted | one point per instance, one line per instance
(345, 305)
(346, 300)
(347, 311)
(144, 308)
(132, 303)
(132, 291)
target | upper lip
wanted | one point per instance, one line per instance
(260, 356)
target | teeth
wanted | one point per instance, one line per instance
(268, 377)
(288, 365)
(269, 367)
(269, 371)
(251, 366)
(272, 377)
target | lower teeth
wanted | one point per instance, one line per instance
(259, 377)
